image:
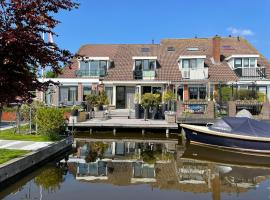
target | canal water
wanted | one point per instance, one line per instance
(145, 168)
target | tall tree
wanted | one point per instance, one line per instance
(23, 52)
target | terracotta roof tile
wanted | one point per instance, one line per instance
(168, 70)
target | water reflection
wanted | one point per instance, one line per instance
(165, 165)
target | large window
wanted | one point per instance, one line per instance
(197, 92)
(252, 62)
(93, 68)
(189, 63)
(145, 65)
(68, 94)
(237, 62)
(244, 62)
(86, 91)
(193, 93)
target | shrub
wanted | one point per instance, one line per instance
(244, 94)
(150, 100)
(226, 94)
(168, 96)
(25, 110)
(261, 97)
(92, 99)
(50, 122)
(102, 99)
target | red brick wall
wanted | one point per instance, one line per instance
(186, 93)
(216, 49)
(80, 92)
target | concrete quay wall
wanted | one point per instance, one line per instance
(21, 164)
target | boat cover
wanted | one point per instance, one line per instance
(242, 126)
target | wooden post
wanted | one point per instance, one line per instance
(114, 132)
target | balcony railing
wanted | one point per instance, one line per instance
(92, 73)
(144, 75)
(201, 73)
(254, 72)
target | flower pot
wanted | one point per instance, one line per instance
(96, 108)
(74, 112)
(146, 113)
(170, 117)
(154, 113)
(137, 108)
(164, 109)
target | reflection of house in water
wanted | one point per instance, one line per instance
(143, 173)
(92, 171)
(160, 165)
(120, 162)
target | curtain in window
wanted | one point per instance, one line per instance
(63, 94)
(109, 92)
(72, 94)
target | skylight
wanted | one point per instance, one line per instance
(193, 49)
(145, 49)
(170, 49)
(227, 47)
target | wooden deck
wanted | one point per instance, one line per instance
(125, 123)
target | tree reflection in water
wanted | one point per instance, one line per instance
(50, 179)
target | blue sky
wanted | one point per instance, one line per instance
(140, 21)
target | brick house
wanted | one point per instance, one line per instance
(193, 68)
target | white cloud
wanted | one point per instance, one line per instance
(239, 31)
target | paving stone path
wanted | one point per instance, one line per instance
(22, 145)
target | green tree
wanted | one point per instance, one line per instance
(23, 52)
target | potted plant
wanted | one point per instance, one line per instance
(137, 106)
(91, 101)
(74, 111)
(155, 106)
(168, 98)
(102, 100)
(148, 101)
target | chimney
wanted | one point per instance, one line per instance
(216, 49)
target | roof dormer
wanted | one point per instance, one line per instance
(192, 66)
(144, 67)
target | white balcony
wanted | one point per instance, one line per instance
(199, 73)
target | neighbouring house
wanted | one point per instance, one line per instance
(193, 68)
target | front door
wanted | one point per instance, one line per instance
(120, 97)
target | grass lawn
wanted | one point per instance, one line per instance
(7, 154)
(10, 135)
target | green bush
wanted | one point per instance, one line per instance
(226, 94)
(50, 122)
(168, 96)
(102, 99)
(245, 94)
(262, 97)
(150, 100)
(92, 99)
(25, 110)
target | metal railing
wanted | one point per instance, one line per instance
(198, 73)
(254, 72)
(91, 73)
(140, 74)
